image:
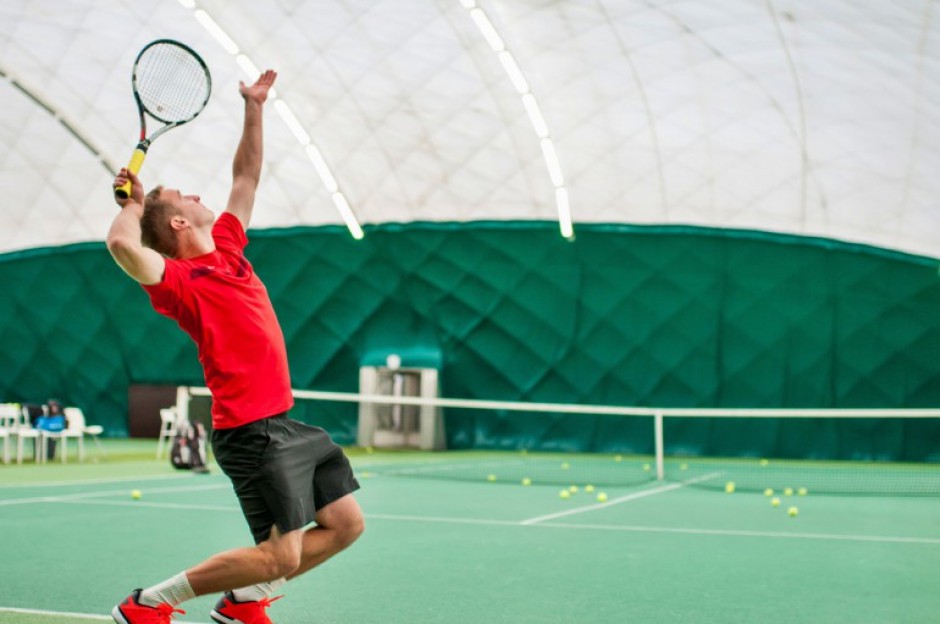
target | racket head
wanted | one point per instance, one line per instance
(171, 82)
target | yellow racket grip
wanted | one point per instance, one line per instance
(137, 161)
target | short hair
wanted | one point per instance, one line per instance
(155, 230)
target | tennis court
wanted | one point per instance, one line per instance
(480, 550)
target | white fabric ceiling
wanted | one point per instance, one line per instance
(819, 118)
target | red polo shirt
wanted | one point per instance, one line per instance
(219, 301)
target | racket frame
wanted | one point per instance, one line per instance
(143, 144)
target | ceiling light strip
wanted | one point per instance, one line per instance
(489, 31)
(535, 115)
(217, 32)
(293, 124)
(287, 115)
(326, 176)
(58, 116)
(533, 110)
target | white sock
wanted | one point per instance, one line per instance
(172, 591)
(257, 591)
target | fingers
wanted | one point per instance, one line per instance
(266, 79)
(120, 178)
(123, 176)
(130, 175)
(259, 90)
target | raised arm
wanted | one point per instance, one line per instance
(246, 168)
(142, 263)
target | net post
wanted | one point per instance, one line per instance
(368, 384)
(182, 403)
(658, 435)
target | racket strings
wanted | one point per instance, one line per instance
(173, 85)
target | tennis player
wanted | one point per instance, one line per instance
(287, 475)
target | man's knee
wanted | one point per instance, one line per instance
(352, 529)
(344, 519)
(282, 553)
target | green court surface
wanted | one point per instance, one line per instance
(477, 550)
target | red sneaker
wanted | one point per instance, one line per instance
(230, 611)
(132, 612)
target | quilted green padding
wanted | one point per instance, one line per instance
(669, 316)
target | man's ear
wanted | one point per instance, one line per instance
(178, 222)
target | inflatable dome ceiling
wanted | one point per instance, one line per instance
(811, 118)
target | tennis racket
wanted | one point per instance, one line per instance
(172, 85)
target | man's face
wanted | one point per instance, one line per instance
(189, 206)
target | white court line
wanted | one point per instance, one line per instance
(481, 521)
(99, 493)
(567, 526)
(83, 616)
(745, 533)
(652, 529)
(435, 467)
(137, 503)
(622, 499)
(5, 486)
(87, 498)
(71, 614)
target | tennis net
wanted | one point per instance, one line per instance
(864, 451)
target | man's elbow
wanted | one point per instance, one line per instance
(115, 243)
(121, 246)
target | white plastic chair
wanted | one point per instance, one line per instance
(23, 430)
(9, 416)
(75, 418)
(168, 428)
(63, 436)
(5, 436)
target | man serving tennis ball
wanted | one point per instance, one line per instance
(286, 474)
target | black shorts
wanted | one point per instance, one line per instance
(282, 471)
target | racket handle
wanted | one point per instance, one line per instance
(137, 161)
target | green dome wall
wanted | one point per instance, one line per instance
(659, 316)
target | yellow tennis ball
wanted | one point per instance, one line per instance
(618, 458)
(135, 494)
(526, 481)
(602, 497)
(683, 466)
(589, 488)
(802, 491)
(764, 462)
(573, 489)
(565, 465)
(491, 477)
(565, 494)
(729, 487)
(646, 467)
(769, 492)
(788, 491)
(793, 511)
(775, 501)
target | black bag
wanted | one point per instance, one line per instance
(188, 451)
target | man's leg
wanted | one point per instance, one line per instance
(278, 556)
(272, 559)
(339, 524)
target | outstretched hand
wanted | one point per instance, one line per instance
(258, 92)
